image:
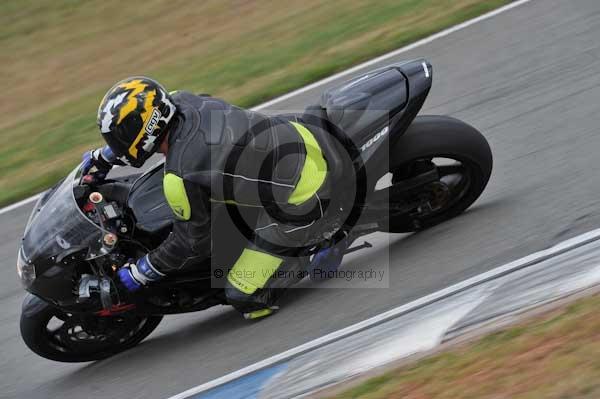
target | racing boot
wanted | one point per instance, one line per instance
(255, 306)
(327, 261)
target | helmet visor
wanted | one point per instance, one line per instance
(127, 141)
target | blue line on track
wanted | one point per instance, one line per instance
(247, 387)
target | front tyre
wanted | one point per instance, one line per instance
(460, 155)
(65, 337)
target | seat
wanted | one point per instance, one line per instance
(363, 104)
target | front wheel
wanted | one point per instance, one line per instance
(66, 337)
(460, 157)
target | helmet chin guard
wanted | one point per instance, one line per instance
(133, 118)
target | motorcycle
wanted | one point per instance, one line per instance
(80, 231)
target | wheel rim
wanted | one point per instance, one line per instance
(90, 334)
(453, 184)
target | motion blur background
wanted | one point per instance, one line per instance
(527, 78)
(59, 57)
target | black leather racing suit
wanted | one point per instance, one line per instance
(223, 153)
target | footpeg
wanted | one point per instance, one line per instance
(365, 244)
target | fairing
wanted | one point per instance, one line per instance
(58, 227)
(386, 98)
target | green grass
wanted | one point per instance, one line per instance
(60, 56)
(553, 356)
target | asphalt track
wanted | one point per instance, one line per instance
(527, 78)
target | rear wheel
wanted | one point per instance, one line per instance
(456, 153)
(65, 337)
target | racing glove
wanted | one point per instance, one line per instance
(136, 275)
(99, 162)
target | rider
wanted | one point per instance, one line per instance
(216, 152)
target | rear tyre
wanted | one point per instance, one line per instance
(63, 337)
(428, 139)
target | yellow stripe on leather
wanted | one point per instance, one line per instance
(252, 270)
(177, 196)
(314, 170)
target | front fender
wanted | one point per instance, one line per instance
(33, 305)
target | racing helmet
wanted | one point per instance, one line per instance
(133, 118)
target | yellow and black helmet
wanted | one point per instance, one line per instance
(133, 118)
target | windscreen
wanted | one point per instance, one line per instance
(58, 227)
